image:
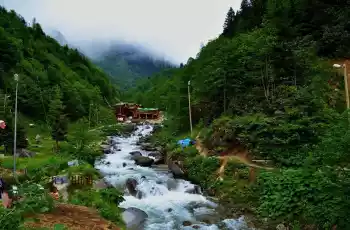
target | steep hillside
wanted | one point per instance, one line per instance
(43, 65)
(126, 63)
(123, 62)
(262, 88)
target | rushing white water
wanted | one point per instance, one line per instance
(166, 209)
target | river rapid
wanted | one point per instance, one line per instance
(167, 208)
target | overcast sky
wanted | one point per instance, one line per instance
(172, 27)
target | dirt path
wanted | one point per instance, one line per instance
(73, 217)
(231, 156)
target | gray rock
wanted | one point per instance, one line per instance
(148, 147)
(176, 170)
(134, 218)
(25, 153)
(135, 153)
(171, 184)
(159, 159)
(131, 186)
(143, 161)
(195, 190)
(100, 184)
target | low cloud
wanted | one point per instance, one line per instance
(174, 29)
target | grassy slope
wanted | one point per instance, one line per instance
(44, 156)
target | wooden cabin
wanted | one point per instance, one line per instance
(125, 110)
(135, 111)
(147, 113)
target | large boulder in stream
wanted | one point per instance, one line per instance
(148, 147)
(171, 184)
(176, 170)
(195, 190)
(106, 149)
(143, 161)
(131, 186)
(159, 159)
(135, 153)
(134, 218)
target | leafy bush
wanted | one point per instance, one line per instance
(201, 170)
(82, 140)
(10, 218)
(85, 170)
(35, 199)
(112, 195)
(312, 196)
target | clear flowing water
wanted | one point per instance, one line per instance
(166, 209)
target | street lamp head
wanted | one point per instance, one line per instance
(16, 76)
(189, 83)
(338, 65)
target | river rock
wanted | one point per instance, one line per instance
(171, 184)
(131, 186)
(148, 147)
(195, 190)
(135, 153)
(143, 161)
(159, 159)
(106, 149)
(176, 170)
(134, 218)
(24, 153)
(100, 184)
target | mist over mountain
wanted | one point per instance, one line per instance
(122, 61)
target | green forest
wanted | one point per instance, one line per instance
(44, 66)
(267, 84)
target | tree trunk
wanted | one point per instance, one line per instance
(57, 146)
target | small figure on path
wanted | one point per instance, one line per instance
(6, 201)
(38, 139)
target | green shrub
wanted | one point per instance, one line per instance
(10, 218)
(85, 170)
(312, 196)
(35, 199)
(202, 170)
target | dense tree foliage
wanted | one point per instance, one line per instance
(265, 74)
(43, 64)
(263, 85)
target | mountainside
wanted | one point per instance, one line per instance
(261, 89)
(59, 37)
(123, 62)
(46, 70)
(126, 63)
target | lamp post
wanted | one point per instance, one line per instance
(16, 77)
(345, 83)
(189, 104)
(5, 102)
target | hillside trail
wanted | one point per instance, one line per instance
(232, 155)
(73, 217)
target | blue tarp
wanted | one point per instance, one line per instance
(185, 142)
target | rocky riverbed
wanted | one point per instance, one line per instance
(157, 196)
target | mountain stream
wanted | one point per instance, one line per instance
(167, 207)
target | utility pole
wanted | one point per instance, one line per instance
(345, 83)
(90, 115)
(224, 92)
(16, 77)
(346, 87)
(189, 105)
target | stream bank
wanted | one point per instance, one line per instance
(167, 202)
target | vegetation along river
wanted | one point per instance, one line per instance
(168, 203)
